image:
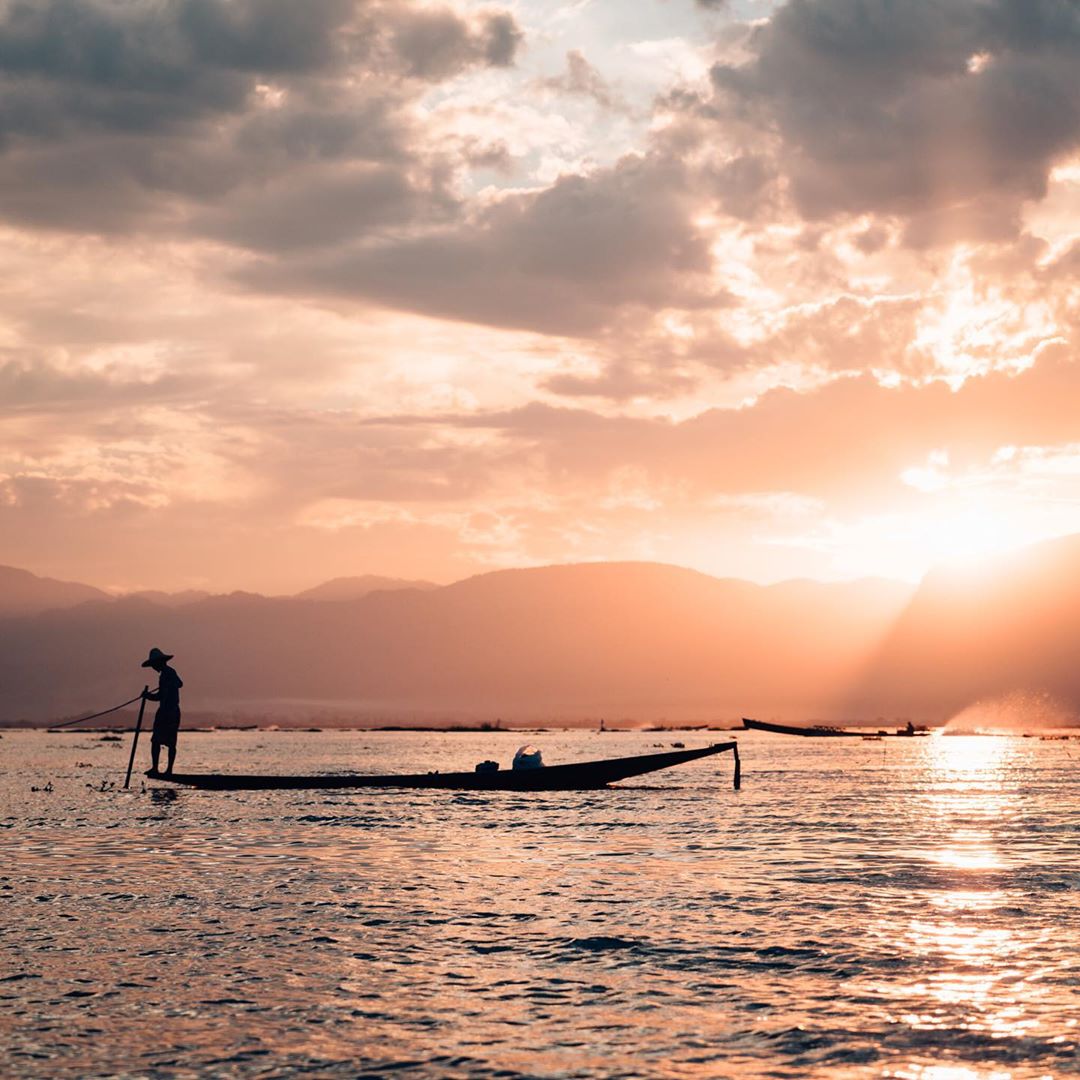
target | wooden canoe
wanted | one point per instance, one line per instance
(581, 776)
(823, 731)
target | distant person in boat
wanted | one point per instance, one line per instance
(910, 728)
(167, 720)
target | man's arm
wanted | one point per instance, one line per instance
(152, 695)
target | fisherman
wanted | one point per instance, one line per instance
(167, 719)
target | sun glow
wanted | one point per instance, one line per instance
(959, 539)
(966, 540)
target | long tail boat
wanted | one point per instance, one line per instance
(581, 776)
(824, 731)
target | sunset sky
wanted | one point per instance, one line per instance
(297, 290)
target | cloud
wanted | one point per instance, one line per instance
(742, 185)
(310, 208)
(436, 43)
(150, 458)
(948, 115)
(142, 116)
(365, 277)
(139, 67)
(143, 67)
(562, 260)
(35, 382)
(581, 79)
(294, 134)
(849, 440)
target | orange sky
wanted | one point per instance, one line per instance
(291, 291)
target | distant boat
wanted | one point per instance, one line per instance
(824, 731)
(581, 776)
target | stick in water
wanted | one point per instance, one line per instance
(738, 769)
(135, 738)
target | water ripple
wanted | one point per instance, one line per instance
(855, 911)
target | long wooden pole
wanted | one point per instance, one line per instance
(135, 740)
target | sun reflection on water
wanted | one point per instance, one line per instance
(971, 754)
(969, 851)
(973, 967)
(950, 1072)
(970, 795)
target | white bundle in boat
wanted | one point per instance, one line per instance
(528, 757)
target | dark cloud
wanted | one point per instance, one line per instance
(948, 114)
(316, 207)
(76, 187)
(503, 37)
(319, 124)
(266, 36)
(137, 66)
(291, 131)
(144, 115)
(743, 186)
(564, 260)
(435, 43)
(140, 65)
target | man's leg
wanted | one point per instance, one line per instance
(155, 751)
(172, 758)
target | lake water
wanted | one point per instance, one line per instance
(905, 908)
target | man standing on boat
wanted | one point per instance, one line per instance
(167, 720)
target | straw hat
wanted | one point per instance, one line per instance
(157, 656)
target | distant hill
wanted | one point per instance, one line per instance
(1007, 629)
(637, 640)
(176, 599)
(353, 588)
(620, 640)
(23, 593)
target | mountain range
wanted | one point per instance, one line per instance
(623, 641)
(634, 640)
(23, 593)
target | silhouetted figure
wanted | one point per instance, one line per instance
(910, 728)
(167, 719)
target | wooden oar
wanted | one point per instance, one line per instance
(135, 738)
